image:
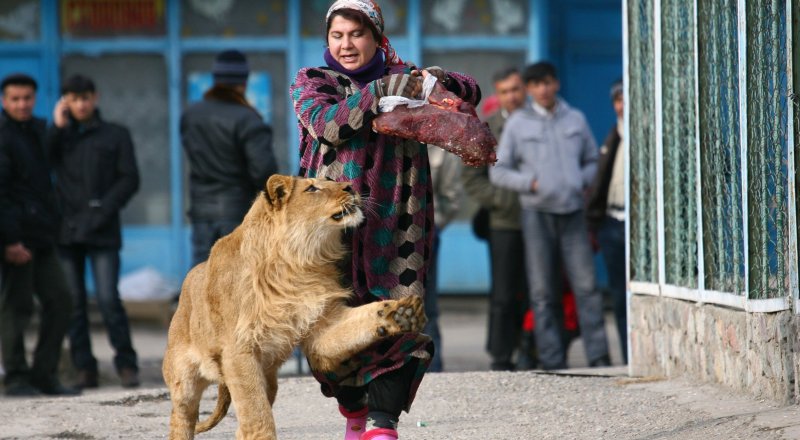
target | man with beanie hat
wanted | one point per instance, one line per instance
(229, 148)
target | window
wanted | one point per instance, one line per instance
(233, 18)
(137, 99)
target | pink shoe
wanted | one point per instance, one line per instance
(356, 422)
(380, 434)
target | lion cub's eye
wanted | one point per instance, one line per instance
(312, 189)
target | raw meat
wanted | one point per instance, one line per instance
(446, 121)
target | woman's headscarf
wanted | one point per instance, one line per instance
(371, 9)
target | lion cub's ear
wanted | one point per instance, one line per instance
(278, 190)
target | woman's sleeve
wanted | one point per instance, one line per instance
(329, 117)
(465, 87)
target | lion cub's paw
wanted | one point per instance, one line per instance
(402, 316)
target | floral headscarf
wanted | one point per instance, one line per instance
(371, 9)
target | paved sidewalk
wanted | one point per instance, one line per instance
(465, 402)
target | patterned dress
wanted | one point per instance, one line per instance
(391, 248)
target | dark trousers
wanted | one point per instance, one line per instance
(382, 395)
(205, 234)
(508, 299)
(41, 277)
(548, 236)
(432, 306)
(611, 238)
(105, 270)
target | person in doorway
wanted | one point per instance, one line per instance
(548, 155)
(508, 297)
(446, 176)
(229, 149)
(391, 250)
(606, 214)
(96, 176)
(29, 221)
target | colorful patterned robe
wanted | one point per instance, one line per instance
(391, 248)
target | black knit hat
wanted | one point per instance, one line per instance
(230, 67)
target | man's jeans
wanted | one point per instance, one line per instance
(611, 238)
(105, 268)
(42, 277)
(549, 237)
(205, 234)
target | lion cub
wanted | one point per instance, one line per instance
(268, 286)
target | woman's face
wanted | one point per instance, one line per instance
(351, 44)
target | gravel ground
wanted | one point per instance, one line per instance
(472, 405)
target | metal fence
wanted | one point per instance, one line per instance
(711, 153)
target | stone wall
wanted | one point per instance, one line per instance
(752, 352)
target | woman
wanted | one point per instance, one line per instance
(335, 106)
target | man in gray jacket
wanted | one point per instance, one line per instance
(548, 155)
(229, 148)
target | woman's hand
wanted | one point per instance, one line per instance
(409, 86)
(438, 72)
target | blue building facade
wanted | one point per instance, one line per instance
(150, 58)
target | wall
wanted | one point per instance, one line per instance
(756, 353)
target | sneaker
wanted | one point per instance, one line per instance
(602, 361)
(87, 379)
(21, 389)
(55, 388)
(129, 378)
(380, 434)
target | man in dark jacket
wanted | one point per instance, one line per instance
(96, 176)
(605, 213)
(229, 148)
(28, 228)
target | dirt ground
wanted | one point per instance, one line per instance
(477, 405)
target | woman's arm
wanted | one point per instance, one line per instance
(328, 116)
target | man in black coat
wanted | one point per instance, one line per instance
(605, 213)
(28, 228)
(229, 148)
(96, 176)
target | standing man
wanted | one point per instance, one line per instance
(445, 176)
(606, 214)
(96, 176)
(28, 229)
(229, 148)
(508, 299)
(547, 155)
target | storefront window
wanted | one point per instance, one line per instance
(112, 18)
(137, 99)
(475, 17)
(395, 13)
(19, 20)
(233, 18)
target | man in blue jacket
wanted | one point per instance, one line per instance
(548, 155)
(28, 229)
(96, 175)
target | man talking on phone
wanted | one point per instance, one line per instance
(96, 176)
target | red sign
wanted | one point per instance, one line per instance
(112, 17)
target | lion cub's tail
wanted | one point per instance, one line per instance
(223, 402)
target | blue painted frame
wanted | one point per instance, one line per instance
(168, 245)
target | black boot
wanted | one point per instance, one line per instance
(527, 358)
